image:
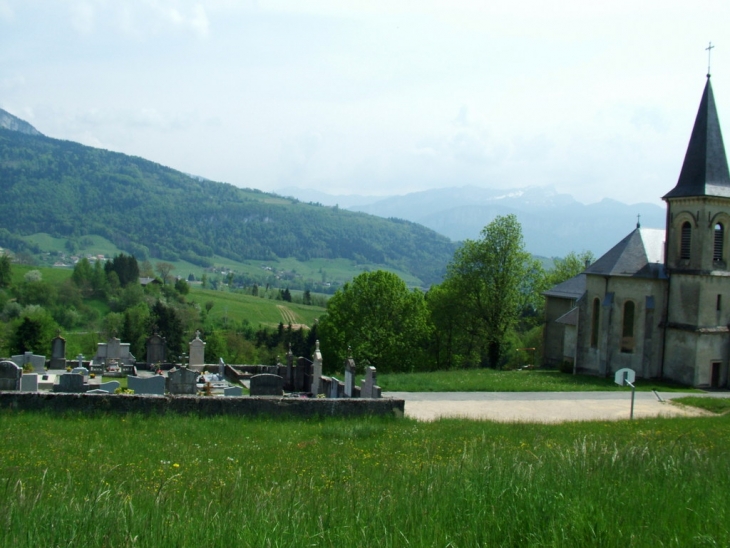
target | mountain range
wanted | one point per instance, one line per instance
(553, 224)
(69, 190)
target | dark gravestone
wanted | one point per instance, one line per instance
(152, 385)
(70, 382)
(10, 376)
(182, 381)
(156, 349)
(58, 353)
(267, 385)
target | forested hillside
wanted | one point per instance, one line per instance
(70, 190)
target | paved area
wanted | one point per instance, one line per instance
(543, 406)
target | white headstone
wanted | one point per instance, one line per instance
(197, 351)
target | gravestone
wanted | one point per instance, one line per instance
(58, 353)
(316, 369)
(80, 371)
(10, 374)
(156, 351)
(97, 391)
(70, 382)
(266, 385)
(289, 379)
(197, 351)
(150, 385)
(221, 369)
(349, 377)
(367, 387)
(182, 381)
(109, 387)
(38, 363)
(233, 391)
(29, 382)
(113, 351)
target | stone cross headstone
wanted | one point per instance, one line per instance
(349, 377)
(113, 350)
(197, 351)
(80, 359)
(182, 381)
(156, 351)
(266, 384)
(150, 385)
(316, 369)
(10, 374)
(58, 353)
(37, 363)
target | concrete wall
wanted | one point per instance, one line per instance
(243, 406)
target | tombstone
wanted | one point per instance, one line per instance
(70, 382)
(156, 351)
(97, 391)
(337, 389)
(303, 375)
(29, 382)
(266, 385)
(38, 363)
(221, 369)
(182, 381)
(368, 384)
(80, 371)
(197, 351)
(233, 391)
(349, 377)
(113, 351)
(289, 379)
(150, 385)
(316, 369)
(109, 387)
(58, 353)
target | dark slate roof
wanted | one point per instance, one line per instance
(705, 171)
(640, 255)
(569, 318)
(569, 289)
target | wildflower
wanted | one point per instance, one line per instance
(176, 465)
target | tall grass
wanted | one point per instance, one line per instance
(186, 481)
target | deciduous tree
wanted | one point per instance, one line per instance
(384, 323)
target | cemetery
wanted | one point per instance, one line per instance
(298, 387)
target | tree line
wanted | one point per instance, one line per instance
(487, 308)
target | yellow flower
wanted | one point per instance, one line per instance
(176, 465)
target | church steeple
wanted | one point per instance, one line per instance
(705, 170)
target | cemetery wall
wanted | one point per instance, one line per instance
(202, 406)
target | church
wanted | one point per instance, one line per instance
(658, 302)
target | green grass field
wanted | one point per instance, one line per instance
(715, 405)
(69, 480)
(490, 380)
(257, 311)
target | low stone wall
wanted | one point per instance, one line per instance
(203, 406)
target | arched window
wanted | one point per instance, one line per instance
(686, 241)
(717, 253)
(595, 318)
(627, 330)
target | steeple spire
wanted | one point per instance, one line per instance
(705, 171)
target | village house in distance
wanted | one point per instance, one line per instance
(658, 302)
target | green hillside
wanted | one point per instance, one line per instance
(70, 191)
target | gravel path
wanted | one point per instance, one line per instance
(542, 406)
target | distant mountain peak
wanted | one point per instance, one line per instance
(13, 123)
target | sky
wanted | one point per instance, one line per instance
(376, 97)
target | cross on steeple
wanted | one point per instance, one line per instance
(709, 53)
(638, 220)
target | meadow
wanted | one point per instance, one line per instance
(187, 481)
(523, 380)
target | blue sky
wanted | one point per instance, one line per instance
(380, 97)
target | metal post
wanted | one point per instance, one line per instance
(633, 393)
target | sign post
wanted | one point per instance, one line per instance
(622, 378)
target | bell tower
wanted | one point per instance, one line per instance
(697, 257)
